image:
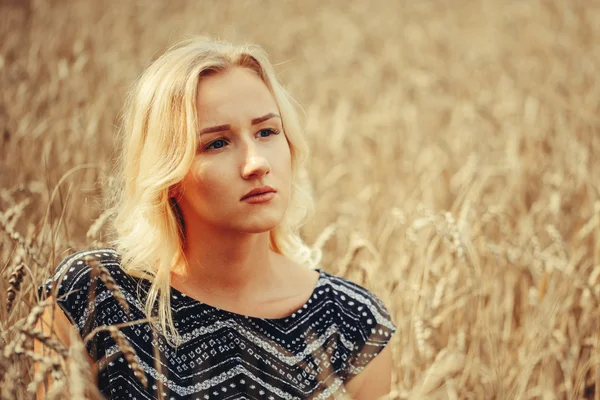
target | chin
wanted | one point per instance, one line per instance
(258, 230)
(260, 224)
(265, 226)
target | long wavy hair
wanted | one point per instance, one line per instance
(158, 138)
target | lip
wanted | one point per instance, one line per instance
(260, 190)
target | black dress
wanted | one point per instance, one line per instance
(224, 355)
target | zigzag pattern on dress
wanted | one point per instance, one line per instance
(309, 354)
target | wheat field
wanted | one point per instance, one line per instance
(453, 161)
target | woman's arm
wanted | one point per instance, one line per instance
(375, 380)
(54, 320)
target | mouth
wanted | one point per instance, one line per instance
(258, 191)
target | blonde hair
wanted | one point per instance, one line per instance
(158, 136)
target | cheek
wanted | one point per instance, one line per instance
(209, 179)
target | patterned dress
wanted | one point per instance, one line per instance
(306, 355)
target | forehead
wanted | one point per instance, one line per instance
(231, 96)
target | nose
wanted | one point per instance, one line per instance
(255, 165)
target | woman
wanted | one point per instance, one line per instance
(206, 214)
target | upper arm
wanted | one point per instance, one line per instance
(367, 373)
(375, 380)
(55, 323)
(71, 291)
(74, 290)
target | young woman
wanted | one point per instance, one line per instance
(206, 213)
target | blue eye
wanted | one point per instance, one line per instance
(220, 143)
(271, 131)
(217, 144)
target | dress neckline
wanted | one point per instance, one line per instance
(191, 300)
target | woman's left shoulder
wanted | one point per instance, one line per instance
(359, 301)
(365, 322)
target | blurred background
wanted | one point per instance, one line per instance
(454, 169)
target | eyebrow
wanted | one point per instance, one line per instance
(255, 121)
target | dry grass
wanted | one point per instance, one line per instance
(454, 162)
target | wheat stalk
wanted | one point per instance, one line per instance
(79, 375)
(80, 381)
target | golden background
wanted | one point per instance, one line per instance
(454, 163)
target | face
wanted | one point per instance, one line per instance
(242, 146)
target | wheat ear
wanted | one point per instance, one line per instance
(14, 284)
(47, 340)
(45, 367)
(98, 224)
(129, 353)
(36, 312)
(29, 248)
(57, 390)
(108, 280)
(9, 386)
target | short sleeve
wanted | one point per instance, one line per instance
(373, 331)
(75, 288)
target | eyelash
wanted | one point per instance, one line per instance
(272, 130)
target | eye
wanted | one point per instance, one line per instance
(269, 132)
(217, 144)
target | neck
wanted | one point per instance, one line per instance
(236, 264)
